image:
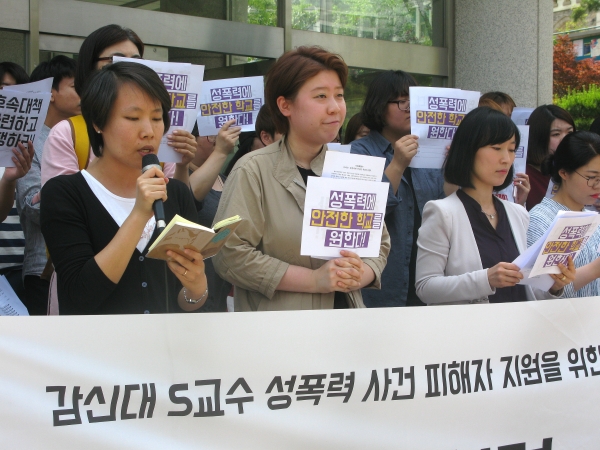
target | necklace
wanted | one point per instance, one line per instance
(489, 216)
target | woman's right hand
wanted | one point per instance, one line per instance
(151, 186)
(504, 275)
(227, 137)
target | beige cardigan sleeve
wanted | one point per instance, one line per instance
(239, 261)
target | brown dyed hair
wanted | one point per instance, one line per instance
(499, 98)
(292, 70)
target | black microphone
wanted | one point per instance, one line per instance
(149, 161)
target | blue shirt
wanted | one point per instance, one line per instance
(428, 184)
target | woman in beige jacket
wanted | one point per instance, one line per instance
(267, 188)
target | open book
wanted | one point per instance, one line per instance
(181, 233)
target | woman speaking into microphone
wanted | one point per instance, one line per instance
(98, 223)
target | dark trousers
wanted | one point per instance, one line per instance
(36, 295)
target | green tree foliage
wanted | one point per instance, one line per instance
(262, 12)
(583, 105)
(586, 7)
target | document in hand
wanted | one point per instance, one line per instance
(10, 305)
(566, 236)
(435, 114)
(184, 84)
(345, 211)
(180, 234)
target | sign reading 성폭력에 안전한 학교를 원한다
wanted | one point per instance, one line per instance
(463, 377)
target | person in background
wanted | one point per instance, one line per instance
(97, 51)
(305, 94)
(504, 101)
(469, 239)
(355, 129)
(386, 112)
(64, 103)
(11, 74)
(575, 168)
(548, 125)
(12, 240)
(265, 127)
(98, 223)
(506, 105)
(211, 158)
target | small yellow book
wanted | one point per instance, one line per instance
(181, 233)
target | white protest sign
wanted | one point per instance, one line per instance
(520, 164)
(233, 98)
(522, 375)
(22, 115)
(184, 84)
(435, 114)
(351, 166)
(343, 214)
(520, 116)
(44, 85)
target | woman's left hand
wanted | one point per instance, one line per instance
(189, 269)
(184, 143)
(351, 270)
(523, 186)
(567, 276)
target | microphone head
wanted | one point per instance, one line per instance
(148, 161)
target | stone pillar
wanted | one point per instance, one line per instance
(505, 46)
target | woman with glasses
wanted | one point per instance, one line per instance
(97, 51)
(386, 112)
(575, 168)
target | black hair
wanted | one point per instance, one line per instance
(59, 67)
(352, 128)
(101, 93)
(95, 44)
(595, 126)
(574, 151)
(244, 147)
(15, 71)
(481, 127)
(385, 87)
(265, 122)
(540, 123)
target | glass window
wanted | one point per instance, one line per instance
(390, 20)
(13, 47)
(257, 12)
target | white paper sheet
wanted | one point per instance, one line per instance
(184, 83)
(435, 114)
(342, 214)
(351, 166)
(233, 98)
(337, 147)
(520, 164)
(10, 305)
(520, 116)
(565, 237)
(44, 85)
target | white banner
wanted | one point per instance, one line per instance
(518, 376)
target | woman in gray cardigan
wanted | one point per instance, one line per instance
(468, 239)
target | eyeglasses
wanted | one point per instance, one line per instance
(403, 105)
(591, 181)
(109, 59)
